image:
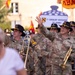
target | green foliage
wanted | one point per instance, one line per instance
(1, 3)
(6, 25)
(4, 22)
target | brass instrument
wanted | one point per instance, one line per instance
(27, 53)
(33, 43)
(66, 58)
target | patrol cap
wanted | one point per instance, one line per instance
(66, 25)
(19, 28)
(54, 26)
(72, 23)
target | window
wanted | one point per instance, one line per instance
(59, 1)
(14, 8)
(13, 23)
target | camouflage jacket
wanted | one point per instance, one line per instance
(20, 46)
(42, 46)
(42, 51)
(60, 45)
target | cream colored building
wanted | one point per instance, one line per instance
(26, 10)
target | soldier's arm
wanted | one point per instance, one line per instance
(47, 33)
(48, 51)
(44, 30)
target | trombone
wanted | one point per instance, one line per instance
(66, 58)
(25, 62)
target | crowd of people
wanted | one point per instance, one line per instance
(42, 53)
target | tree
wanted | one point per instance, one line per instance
(4, 22)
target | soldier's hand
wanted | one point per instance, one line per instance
(39, 20)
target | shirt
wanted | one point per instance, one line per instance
(11, 62)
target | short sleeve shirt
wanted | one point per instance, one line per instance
(11, 62)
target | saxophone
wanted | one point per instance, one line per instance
(63, 65)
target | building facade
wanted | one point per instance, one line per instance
(23, 11)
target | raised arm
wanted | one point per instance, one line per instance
(47, 33)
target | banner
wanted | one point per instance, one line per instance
(53, 16)
(69, 4)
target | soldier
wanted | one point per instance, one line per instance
(61, 44)
(17, 42)
(54, 28)
(41, 52)
(7, 40)
(72, 23)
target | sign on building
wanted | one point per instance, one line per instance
(53, 16)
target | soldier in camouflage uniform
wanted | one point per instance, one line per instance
(72, 23)
(61, 44)
(17, 42)
(41, 52)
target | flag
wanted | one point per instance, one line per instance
(69, 4)
(8, 3)
(31, 28)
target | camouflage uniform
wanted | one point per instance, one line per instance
(42, 52)
(20, 46)
(72, 23)
(60, 48)
(30, 62)
(72, 57)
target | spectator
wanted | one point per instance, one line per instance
(10, 61)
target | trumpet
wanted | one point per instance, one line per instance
(63, 65)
